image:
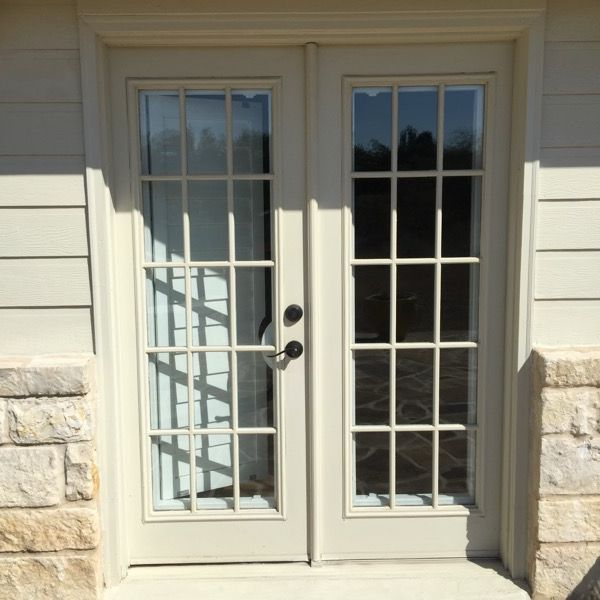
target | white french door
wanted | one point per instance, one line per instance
(209, 154)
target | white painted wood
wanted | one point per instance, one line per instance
(40, 129)
(570, 121)
(572, 21)
(568, 225)
(42, 232)
(569, 173)
(44, 282)
(564, 275)
(566, 322)
(45, 330)
(39, 76)
(42, 181)
(572, 68)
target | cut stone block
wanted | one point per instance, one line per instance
(570, 410)
(81, 472)
(569, 519)
(568, 368)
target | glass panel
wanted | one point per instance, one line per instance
(251, 131)
(253, 303)
(160, 146)
(171, 472)
(463, 127)
(252, 210)
(257, 471)
(372, 128)
(165, 305)
(458, 385)
(461, 213)
(209, 235)
(457, 467)
(255, 390)
(210, 306)
(206, 132)
(414, 301)
(372, 477)
(371, 216)
(168, 389)
(413, 468)
(214, 471)
(416, 218)
(163, 221)
(372, 304)
(460, 298)
(414, 387)
(372, 387)
(417, 128)
(212, 389)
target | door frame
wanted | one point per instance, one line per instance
(99, 29)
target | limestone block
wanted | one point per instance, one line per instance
(3, 422)
(564, 569)
(570, 410)
(30, 476)
(569, 465)
(43, 530)
(49, 578)
(569, 368)
(81, 472)
(569, 519)
(51, 375)
(49, 420)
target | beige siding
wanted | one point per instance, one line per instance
(45, 301)
(567, 278)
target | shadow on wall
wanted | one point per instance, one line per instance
(589, 587)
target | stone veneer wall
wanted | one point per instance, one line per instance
(49, 530)
(564, 557)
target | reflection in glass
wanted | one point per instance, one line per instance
(206, 132)
(413, 468)
(372, 128)
(210, 306)
(165, 307)
(160, 146)
(171, 472)
(458, 386)
(255, 390)
(457, 467)
(257, 471)
(214, 471)
(371, 469)
(371, 387)
(252, 212)
(414, 303)
(251, 131)
(168, 390)
(414, 387)
(371, 216)
(371, 304)
(416, 217)
(460, 306)
(209, 236)
(463, 127)
(212, 389)
(461, 212)
(253, 302)
(163, 221)
(417, 128)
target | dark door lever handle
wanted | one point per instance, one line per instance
(292, 349)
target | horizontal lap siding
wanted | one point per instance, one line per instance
(567, 278)
(45, 299)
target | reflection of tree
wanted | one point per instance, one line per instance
(164, 148)
(373, 157)
(251, 151)
(461, 148)
(416, 150)
(207, 151)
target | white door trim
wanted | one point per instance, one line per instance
(525, 26)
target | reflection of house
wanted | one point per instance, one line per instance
(422, 178)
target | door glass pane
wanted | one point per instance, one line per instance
(416, 217)
(458, 386)
(372, 304)
(171, 472)
(461, 214)
(168, 389)
(371, 387)
(414, 468)
(459, 309)
(371, 217)
(210, 306)
(414, 301)
(212, 389)
(214, 471)
(257, 471)
(417, 128)
(160, 144)
(163, 221)
(165, 300)
(252, 213)
(206, 132)
(372, 129)
(251, 131)
(209, 233)
(253, 302)
(371, 467)
(457, 467)
(414, 387)
(255, 390)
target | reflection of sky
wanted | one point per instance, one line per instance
(372, 116)
(464, 110)
(206, 110)
(417, 107)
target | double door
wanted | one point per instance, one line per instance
(311, 290)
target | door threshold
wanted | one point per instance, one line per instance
(464, 579)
